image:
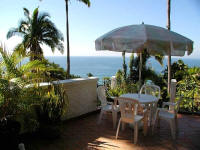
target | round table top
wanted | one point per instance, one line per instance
(142, 98)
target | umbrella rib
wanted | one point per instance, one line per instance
(145, 33)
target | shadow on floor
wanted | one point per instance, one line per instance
(85, 134)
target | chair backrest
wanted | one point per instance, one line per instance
(101, 94)
(173, 90)
(151, 90)
(176, 109)
(128, 108)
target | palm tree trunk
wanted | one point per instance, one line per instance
(67, 34)
(169, 52)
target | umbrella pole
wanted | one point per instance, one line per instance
(169, 71)
(140, 71)
(169, 51)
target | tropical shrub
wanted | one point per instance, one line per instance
(128, 80)
(188, 88)
(188, 83)
(53, 104)
(178, 70)
(21, 93)
(54, 72)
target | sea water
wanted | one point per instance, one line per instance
(108, 66)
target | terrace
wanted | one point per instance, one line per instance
(44, 107)
(84, 133)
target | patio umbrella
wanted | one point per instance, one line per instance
(136, 38)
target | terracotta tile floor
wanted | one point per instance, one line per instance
(85, 134)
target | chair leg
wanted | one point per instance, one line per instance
(118, 127)
(100, 116)
(176, 122)
(145, 126)
(135, 132)
(114, 116)
(123, 126)
(150, 114)
(158, 123)
(172, 126)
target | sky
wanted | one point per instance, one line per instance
(87, 24)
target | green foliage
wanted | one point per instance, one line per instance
(9, 98)
(124, 88)
(124, 67)
(106, 82)
(178, 70)
(90, 74)
(127, 81)
(147, 72)
(86, 2)
(20, 90)
(188, 88)
(53, 104)
(54, 71)
(73, 76)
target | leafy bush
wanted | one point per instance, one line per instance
(53, 104)
(128, 81)
(20, 93)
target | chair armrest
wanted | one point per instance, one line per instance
(113, 97)
(115, 107)
(168, 104)
(145, 112)
(110, 103)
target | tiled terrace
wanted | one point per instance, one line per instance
(85, 134)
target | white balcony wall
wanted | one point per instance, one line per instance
(81, 96)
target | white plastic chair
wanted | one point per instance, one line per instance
(154, 90)
(151, 90)
(172, 93)
(129, 114)
(169, 115)
(106, 106)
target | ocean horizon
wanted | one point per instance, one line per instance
(107, 66)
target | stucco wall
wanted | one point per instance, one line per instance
(81, 94)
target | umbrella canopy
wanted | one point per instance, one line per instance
(135, 38)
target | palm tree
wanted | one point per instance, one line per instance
(37, 29)
(87, 2)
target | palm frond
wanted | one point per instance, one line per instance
(160, 59)
(26, 13)
(87, 2)
(31, 65)
(9, 65)
(20, 49)
(13, 32)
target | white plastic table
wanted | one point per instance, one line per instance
(145, 99)
(142, 98)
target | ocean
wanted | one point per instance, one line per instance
(108, 66)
